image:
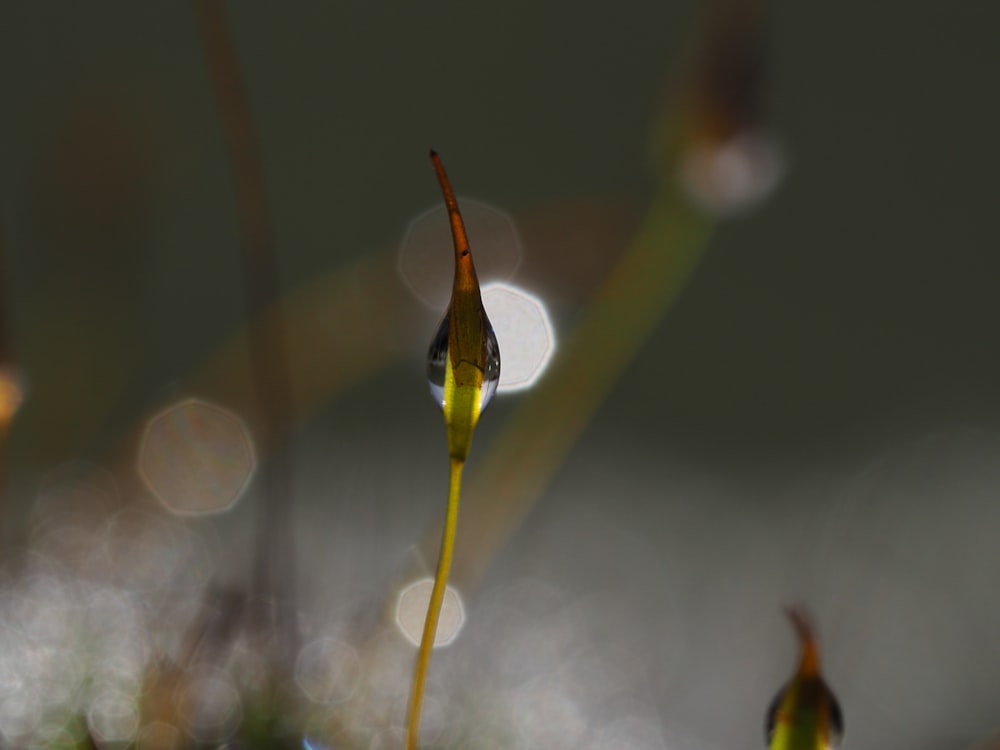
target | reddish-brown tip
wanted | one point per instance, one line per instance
(805, 629)
(465, 273)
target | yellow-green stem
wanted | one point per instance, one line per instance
(434, 606)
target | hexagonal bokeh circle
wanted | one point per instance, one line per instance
(411, 611)
(196, 457)
(427, 257)
(328, 670)
(524, 333)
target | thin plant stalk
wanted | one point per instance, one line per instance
(464, 367)
(436, 600)
(275, 570)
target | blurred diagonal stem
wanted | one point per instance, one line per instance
(275, 569)
(720, 97)
(522, 462)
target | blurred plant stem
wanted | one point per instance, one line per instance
(8, 395)
(719, 99)
(716, 99)
(519, 466)
(275, 567)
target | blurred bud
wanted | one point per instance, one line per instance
(732, 177)
(719, 146)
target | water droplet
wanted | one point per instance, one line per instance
(437, 359)
(491, 376)
(437, 363)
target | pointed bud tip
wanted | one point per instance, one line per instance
(802, 621)
(800, 618)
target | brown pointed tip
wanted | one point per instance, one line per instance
(805, 629)
(434, 154)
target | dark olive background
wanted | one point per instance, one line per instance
(817, 418)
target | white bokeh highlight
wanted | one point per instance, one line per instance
(735, 176)
(524, 333)
(411, 611)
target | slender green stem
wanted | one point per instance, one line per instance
(434, 607)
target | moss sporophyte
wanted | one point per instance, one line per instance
(463, 367)
(805, 714)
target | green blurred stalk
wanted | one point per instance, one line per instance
(520, 465)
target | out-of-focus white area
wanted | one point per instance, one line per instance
(653, 622)
(105, 589)
(733, 177)
(656, 620)
(524, 333)
(427, 256)
(411, 611)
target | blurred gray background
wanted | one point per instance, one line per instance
(817, 419)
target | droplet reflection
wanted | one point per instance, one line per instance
(437, 364)
(196, 458)
(411, 611)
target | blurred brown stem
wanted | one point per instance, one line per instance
(275, 571)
